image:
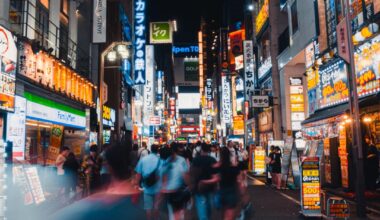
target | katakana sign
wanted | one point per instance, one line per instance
(149, 92)
(249, 65)
(209, 90)
(139, 41)
(226, 100)
(161, 33)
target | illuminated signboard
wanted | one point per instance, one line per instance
(263, 16)
(333, 84)
(226, 100)
(160, 86)
(8, 60)
(185, 50)
(236, 43)
(149, 97)
(209, 95)
(140, 41)
(161, 32)
(238, 125)
(44, 69)
(310, 189)
(249, 69)
(367, 64)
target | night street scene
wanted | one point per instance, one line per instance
(189, 110)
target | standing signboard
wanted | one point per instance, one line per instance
(286, 156)
(310, 187)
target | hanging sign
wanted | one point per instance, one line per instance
(160, 77)
(341, 30)
(149, 85)
(99, 21)
(16, 128)
(209, 89)
(226, 100)
(260, 101)
(140, 41)
(310, 187)
(161, 33)
(249, 65)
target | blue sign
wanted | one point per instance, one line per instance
(185, 50)
(160, 76)
(140, 41)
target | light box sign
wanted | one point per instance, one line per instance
(236, 43)
(16, 128)
(99, 21)
(310, 187)
(263, 16)
(249, 69)
(333, 84)
(140, 41)
(367, 64)
(161, 33)
(149, 85)
(209, 95)
(160, 86)
(8, 60)
(42, 109)
(226, 100)
(185, 50)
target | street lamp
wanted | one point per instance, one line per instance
(117, 49)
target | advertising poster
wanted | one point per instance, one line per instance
(343, 156)
(259, 160)
(55, 144)
(16, 128)
(310, 189)
(367, 65)
(333, 84)
(238, 125)
(8, 60)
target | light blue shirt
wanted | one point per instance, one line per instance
(146, 166)
(174, 171)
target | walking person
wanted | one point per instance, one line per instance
(143, 151)
(276, 167)
(268, 161)
(105, 176)
(147, 170)
(134, 155)
(71, 167)
(174, 179)
(233, 153)
(371, 167)
(204, 180)
(59, 162)
(214, 153)
(197, 149)
(228, 185)
(91, 168)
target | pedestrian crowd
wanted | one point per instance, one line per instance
(165, 181)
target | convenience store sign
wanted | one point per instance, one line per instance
(42, 109)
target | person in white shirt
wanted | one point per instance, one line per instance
(143, 151)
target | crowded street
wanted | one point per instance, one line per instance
(189, 110)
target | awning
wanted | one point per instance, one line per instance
(340, 109)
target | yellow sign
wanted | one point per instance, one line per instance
(238, 125)
(106, 112)
(312, 78)
(297, 107)
(296, 98)
(263, 16)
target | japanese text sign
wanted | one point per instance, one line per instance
(226, 100)
(160, 33)
(249, 69)
(140, 41)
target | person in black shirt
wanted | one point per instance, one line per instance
(204, 180)
(276, 166)
(71, 167)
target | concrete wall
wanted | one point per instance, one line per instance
(4, 13)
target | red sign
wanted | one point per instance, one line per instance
(189, 129)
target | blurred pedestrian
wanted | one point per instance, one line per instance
(174, 178)
(276, 167)
(197, 149)
(268, 161)
(214, 153)
(91, 168)
(143, 151)
(122, 200)
(242, 154)
(203, 181)
(233, 152)
(105, 176)
(228, 185)
(371, 167)
(134, 155)
(62, 157)
(71, 167)
(147, 170)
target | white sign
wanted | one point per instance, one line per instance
(239, 62)
(99, 21)
(296, 125)
(140, 41)
(149, 95)
(16, 128)
(260, 101)
(35, 184)
(226, 100)
(296, 90)
(249, 80)
(44, 113)
(265, 67)
(209, 89)
(298, 116)
(155, 120)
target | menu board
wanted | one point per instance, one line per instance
(8, 60)
(259, 160)
(310, 189)
(343, 155)
(333, 83)
(35, 184)
(367, 65)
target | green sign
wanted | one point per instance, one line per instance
(191, 70)
(160, 33)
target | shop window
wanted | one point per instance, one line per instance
(293, 12)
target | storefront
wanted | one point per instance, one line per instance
(49, 126)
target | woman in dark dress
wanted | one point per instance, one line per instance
(71, 167)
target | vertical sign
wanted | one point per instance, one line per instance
(343, 155)
(160, 76)
(149, 85)
(99, 21)
(16, 128)
(248, 69)
(209, 89)
(140, 41)
(341, 30)
(226, 100)
(310, 189)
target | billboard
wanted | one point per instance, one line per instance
(140, 41)
(161, 33)
(188, 100)
(186, 71)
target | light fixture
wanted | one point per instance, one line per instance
(367, 119)
(121, 48)
(250, 7)
(111, 56)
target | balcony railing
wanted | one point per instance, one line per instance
(29, 21)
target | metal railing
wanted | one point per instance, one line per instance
(28, 20)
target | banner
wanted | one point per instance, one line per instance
(149, 85)
(140, 41)
(161, 33)
(99, 21)
(226, 100)
(249, 68)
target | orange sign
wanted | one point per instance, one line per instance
(297, 107)
(296, 98)
(263, 16)
(238, 125)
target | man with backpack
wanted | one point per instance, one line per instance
(147, 170)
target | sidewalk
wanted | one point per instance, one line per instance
(288, 199)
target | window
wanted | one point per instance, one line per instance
(45, 3)
(293, 11)
(42, 23)
(65, 7)
(283, 40)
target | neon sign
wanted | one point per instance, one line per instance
(140, 41)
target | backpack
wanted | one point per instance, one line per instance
(152, 178)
